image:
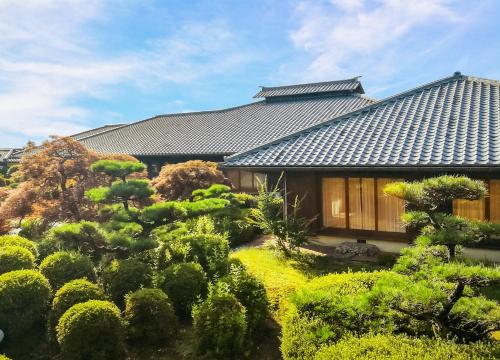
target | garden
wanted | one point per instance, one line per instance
(99, 262)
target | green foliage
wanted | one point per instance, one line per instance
(290, 231)
(150, 317)
(24, 300)
(71, 293)
(118, 169)
(4, 357)
(164, 212)
(33, 228)
(129, 190)
(209, 250)
(327, 309)
(92, 330)
(205, 206)
(395, 347)
(63, 266)
(16, 240)
(220, 325)
(15, 258)
(85, 236)
(121, 277)
(98, 194)
(251, 293)
(184, 284)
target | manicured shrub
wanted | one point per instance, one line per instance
(24, 301)
(91, 330)
(16, 240)
(209, 250)
(64, 266)
(33, 228)
(73, 292)
(401, 347)
(251, 293)
(3, 357)
(15, 258)
(327, 309)
(74, 236)
(220, 325)
(183, 283)
(150, 317)
(123, 276)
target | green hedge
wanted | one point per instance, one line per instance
(63, 266)
(16, 240)
(71, 293)
(92, 330)
(183, 283)
(121, 277)
(150, 317)
(24, 301)
(392, 347)
(15, 258)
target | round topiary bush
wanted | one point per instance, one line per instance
(16, 240)
(91, 330)
(150, 317)
(123, 276)
(24, 301)
(209, 250)
(15, 258)
(220, 325)
(184, 283)
(251, 293)
(71, 293)
(63, 266)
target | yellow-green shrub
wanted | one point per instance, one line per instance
(24, 301)
(15, 258)
(395, 347)
(92, 330)
(63, 266)
(16, 240)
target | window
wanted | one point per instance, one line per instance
(334, 205)
(362, 203)
(390, 208)
(246, 180)
(495, 200)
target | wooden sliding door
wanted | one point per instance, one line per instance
(334, 202)
(361, 203)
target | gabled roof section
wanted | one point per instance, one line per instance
(96, 131)
(327, 87)
(9, 154)
(222, 132)
(453, 122)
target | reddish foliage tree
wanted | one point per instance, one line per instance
(177, 181)
(57, 174)
(19, 203)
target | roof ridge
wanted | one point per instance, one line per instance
(455, 76)
(311, 84)
(99, 127)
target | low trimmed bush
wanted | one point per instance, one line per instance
(220, 325)
(209, 250)
(327, 309)
(15, 258)
(64, 266)
(251, 293)
(121, 277)
(24, 301)
(150, 317)
(92, 330)
(16, 240)
(183, 283)
(401, 347)
(73, 292)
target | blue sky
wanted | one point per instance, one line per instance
(66, 66)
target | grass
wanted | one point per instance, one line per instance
(281, 277)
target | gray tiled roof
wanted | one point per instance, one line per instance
(451, 122)
(8, 154)
(95, 131)
(349, 85)
(222, 132)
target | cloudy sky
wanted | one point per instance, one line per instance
(66, 66)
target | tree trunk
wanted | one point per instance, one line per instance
(452, 250)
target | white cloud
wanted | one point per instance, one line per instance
(341, 33)
(49, 61)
